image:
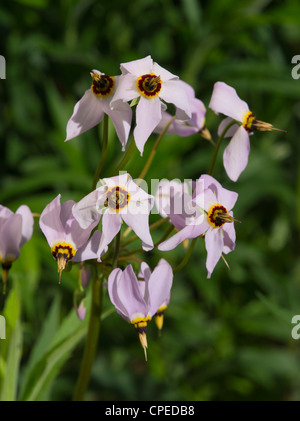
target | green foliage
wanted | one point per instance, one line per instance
(224, 338)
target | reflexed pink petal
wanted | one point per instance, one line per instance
(174, 92)
(112, 285)
(111, 225)
(159, 286)
(223, 196)
(232, 129)
(125, 293)
(190, 231)
(164, 74)
(27, 223)
(226, 101)
(138, 67)
(140, 225)
(87, 113)
(126, 90)
(145, 271)
(50, 222)
(148, 115)
(235, 157)
(10, 237)
(214, 245)
(121, 118)
(229, 237)
(89, 250)
(86, 211)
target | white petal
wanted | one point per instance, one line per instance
(148, 115)
(235, 157)
(138, 67)
(226, 101)
(87, 113)
(214, 244)
(140, 225)
(175, 93)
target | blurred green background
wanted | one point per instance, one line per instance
(224, 338)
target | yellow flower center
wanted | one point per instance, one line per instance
(218, 215)
(149, 85)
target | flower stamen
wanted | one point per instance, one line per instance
(218, 215)
(62, 252)
(250, 123)
(149, 85)
(117, 198)
(102, 84)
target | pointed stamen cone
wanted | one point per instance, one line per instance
(227, 218)
(205, 133)
(61, 264)
(264, 127)
(143, 340)
(154, 81)
(159, 321)
(185, 243)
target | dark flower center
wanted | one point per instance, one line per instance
(149, 85)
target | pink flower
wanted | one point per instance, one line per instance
(68, 241)
(148, 82)
(185, 128)
(90, 109)
(137, 301)
(217, 224)
(225, 100)
(117, 199)
(15, 230)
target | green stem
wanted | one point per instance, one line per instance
(125, 158)
(104, 151)
(187, 256)
(91, 340)
(217, 147)
(117, 250)
(153, 152)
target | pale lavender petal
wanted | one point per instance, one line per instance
(10, 237)
(148, 115)
(111, 225)
(121, 118)
(229, 237)
(140, 225)
(27, 223)
(90, 249)
(50, 222)
(235, 157)
(174, 92)
(5, 213)
(145, 271)
(225, 197)
(164, 74)
(125, 293)
(86, 211)
(66, 211)
(126, 90)
(232, 129)
(225, 100)
(77, 235)
(159, 286)
(87, 113)
(138, 67)
(190, 231)
(114, 278)
(214, 244)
